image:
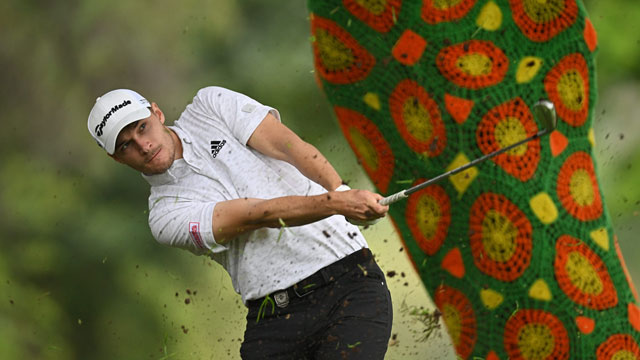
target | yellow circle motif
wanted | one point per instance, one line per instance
(475, 64)
(582, 274)
(334, 54)
(375, 7)
(445, 4)
(510, 131)
(542, 11)
(535, 341)
(580, 188)
(428, 215)
(453, 321)
(624, 355)
(417, 119)
(498, 236)
(571, 90)
(364, 148)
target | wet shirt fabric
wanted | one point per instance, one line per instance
(217, 165)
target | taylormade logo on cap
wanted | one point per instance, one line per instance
(106, 117)
(112, 112)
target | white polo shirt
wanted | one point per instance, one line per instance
(217, 165)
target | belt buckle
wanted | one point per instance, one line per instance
(281, 298)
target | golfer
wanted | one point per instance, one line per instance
(230, 181)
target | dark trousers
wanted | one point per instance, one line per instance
(341, 312)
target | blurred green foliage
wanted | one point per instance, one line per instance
(80, 275)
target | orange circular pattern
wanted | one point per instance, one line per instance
(418, 118)
(437, 11)
(520, 164)
(617, 344)
(380, 170)
(578, 189)
(379, 16)
(428, 215)
(337, 55)
(582, 275)
(535, 334)
(495, 253)
(459, 317)
(542, 20)
(473, 64)
(567, 84)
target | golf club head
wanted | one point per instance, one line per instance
(545, 112)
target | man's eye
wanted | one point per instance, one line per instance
(124, 146)
(142, 126)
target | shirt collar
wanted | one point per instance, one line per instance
(179, 166)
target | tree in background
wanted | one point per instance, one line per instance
(518, 253)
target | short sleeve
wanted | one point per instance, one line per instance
(184, 224)
(240, 113)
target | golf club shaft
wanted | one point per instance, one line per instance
(405, 193)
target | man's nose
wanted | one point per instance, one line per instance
(143, 144)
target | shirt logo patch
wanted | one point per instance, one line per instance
(248, 108)
(194, 231)
(216, 146)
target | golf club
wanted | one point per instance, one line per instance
(543, 110)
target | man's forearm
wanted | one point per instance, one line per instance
(312, 164)
(234, 217)
(273, 139)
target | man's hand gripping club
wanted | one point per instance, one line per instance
(365, 213)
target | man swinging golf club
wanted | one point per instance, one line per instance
(230, 181)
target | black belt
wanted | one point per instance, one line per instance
(320, 278)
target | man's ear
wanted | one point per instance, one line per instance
(155, 109)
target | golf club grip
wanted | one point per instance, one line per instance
(393, 198)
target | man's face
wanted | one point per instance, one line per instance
(147, 145)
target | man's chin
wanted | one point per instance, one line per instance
(150, 172)
(157, 169)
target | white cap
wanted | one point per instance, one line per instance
(112, 112)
